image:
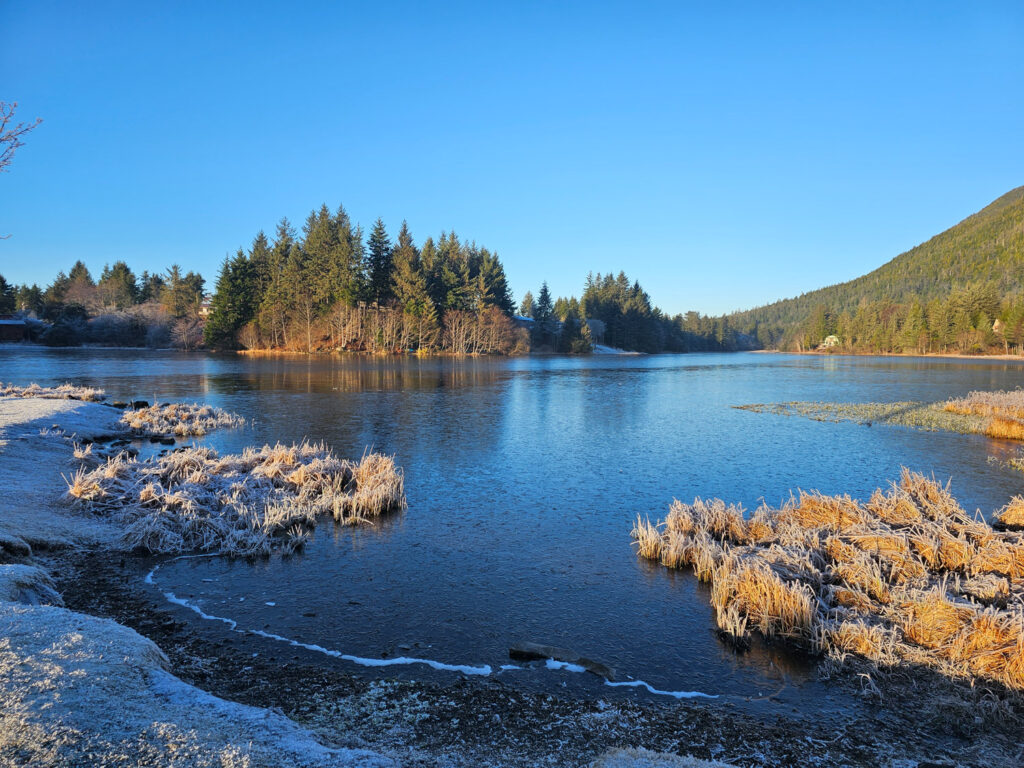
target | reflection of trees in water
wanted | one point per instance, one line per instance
(349, 374)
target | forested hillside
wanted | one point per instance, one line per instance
(945, 294)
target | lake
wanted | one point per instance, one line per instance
(523, 477)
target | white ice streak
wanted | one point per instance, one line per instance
(483, 669)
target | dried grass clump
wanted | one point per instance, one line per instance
(179, 420)
(66, 391)
(1012, 515)
(1003, 412)
(907, 577)
(242, 504)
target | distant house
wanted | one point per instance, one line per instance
(206, 306)
(522, 321)
(13, 328)
(829, 342)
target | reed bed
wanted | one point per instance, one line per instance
(1003, 412)
(66, 391)
(248, 504)
(1012, 515)
(907, 577)
(995, 414)
(179, 419)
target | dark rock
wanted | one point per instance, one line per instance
(140, 404)
(536, 651)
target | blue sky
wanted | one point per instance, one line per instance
(724, 154)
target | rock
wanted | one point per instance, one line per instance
(136, 404)
(536, 651)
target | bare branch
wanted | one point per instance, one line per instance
(10, 137)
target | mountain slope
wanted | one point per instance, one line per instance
(986, 247)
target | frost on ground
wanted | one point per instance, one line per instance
(31, 463)
(77, 690)
(27, 584)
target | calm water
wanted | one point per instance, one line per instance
(523, 477)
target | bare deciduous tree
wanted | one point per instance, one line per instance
(11, 133)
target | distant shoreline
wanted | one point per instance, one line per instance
(935, 355)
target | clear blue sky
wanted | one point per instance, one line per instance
(724, 154)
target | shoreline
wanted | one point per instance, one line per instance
(928, 355)
(342, 718)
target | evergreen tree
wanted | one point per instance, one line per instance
(182, 294)
(234, 303)
(151, 287)
(544, 323)
(409, 284)
(7, 296)
(30, 299)
(117, 286)
(379, 264)
(272, 312)
(527, 307)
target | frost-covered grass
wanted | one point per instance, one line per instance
(66, 391)
(996, 414)
(179, 419)
(907, 577)
(926, 416)
(194, 499)
(1003, 412)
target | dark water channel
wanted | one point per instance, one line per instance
(523, 477)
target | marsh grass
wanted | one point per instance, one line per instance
(179, 419)
(248, 504)
(907, 577)
(66, 391)
(995, 414)
(1012, 515)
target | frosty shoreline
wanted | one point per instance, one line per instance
(76, 689)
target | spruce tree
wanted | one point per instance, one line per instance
(544, 322)
(379, 261)
(117, 286)
(527, 307)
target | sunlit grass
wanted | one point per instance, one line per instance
(907, 577)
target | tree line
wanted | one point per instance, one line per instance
(324, 288)
(975, 319)
(617, 312)
(154, 309)
(328, 287)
